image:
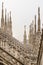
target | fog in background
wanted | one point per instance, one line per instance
(23, 12)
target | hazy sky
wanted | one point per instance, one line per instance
(23, 12)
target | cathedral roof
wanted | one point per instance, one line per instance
(28, 51)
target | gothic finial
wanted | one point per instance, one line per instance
(5, 11)
(2, 9)
(24, 34)
(10, 16)
(35, 18)
(2, 18)
(5, 15)
(38, 18)
(5, 21)
(8, 23)
(35, 24)
(2, 5)
(38, 10)
(25, 27)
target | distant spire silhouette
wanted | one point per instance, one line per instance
(2, 18)
(29, 34)
(24, 34)
(35, 24)
(2, 10)
(5, 20)
(5, 16)
(10, 24)
(10, 16)
(38, 18)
